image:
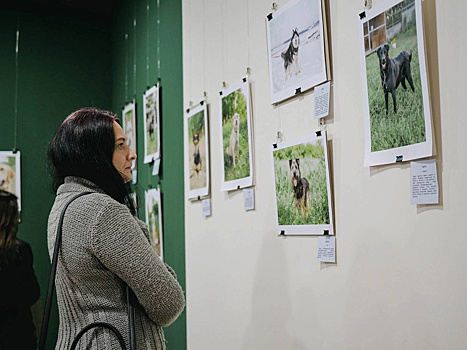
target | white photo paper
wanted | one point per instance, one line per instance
(129, 128)
(10, 173)
(302, 184)
(397, 109)
(154, 220)
(151, 113)
(197, 151)
(235, 131)
(296, 48)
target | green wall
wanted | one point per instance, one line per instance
(142, 45)
(63, 65)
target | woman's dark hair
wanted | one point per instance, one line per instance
(83, 146)
(9, 218)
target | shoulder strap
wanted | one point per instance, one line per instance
(53, 271)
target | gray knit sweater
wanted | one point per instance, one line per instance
(102, 246)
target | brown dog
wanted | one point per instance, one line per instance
(233, 148)
(301, 188)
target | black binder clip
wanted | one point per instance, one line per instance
(325, 232)
(188, 110)
(15, 150)
(220, 93)
(201, 103)
(318, 133)
(244, 80)
(274, 145)
(298, 90)
(238, 187)
(269, 17)
(282, 233)
(199, 197)
(362, 15)
(399, 159)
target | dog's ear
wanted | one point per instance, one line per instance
(378, 52)
(386, 46)
(11, 174)
(298, 161)
(290, 163)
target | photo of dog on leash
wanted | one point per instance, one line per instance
(10, 173)
(296, 48)
(398, 115)
(197, 151)
(236, 137)
(303, 192)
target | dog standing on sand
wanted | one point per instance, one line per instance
(301, 188)
(394, 71)
(290, 56)
(196, 153)
(232, 149)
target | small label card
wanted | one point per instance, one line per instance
(249, 198)
(321, 107)
(424, 182)
(206, 203)
(327, 249)
(157, 164)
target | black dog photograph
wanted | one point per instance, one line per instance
(397, 95)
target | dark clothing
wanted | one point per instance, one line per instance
(18, 291)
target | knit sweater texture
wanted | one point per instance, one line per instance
(102, 247)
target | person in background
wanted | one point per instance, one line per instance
(104, 245)
(19, 289)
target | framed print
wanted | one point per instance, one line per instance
(302, 184)
(154, 220)
(235, 132)
(398, 124)
(197, 151)
(129, 128)
(10, 173)
(296, 48)
(151, 124)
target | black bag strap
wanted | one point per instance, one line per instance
(50, 291)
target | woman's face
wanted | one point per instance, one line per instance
(123, 156)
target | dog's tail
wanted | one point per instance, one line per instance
(410, 56)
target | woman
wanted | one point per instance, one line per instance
(103, 244)
(19, 288)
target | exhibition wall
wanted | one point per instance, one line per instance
(56, 76)
(398, 281)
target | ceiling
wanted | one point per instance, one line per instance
(94, 11)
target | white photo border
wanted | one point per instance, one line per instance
(247, 181)
(310, 82)
(150, 157)
(306, 230)
(204, 191)
(409, 152)
(128, 107)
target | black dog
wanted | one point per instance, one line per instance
(290, 56)
(394, 71)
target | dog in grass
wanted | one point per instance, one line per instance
(196, 153)
(394, 71)
(232, 149)
(301, 188)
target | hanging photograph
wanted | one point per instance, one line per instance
(296, 48)
(129, 127)
(154, 219)
(235, 132)
(10, 174)
(197, 151)
(395, 88)
(151, 113)
(303, 190)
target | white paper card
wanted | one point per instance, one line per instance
(327, 249)
(157, 164)
(134, 176)
(424, 182)
(206, 206)
(249, 198)
(321, 105)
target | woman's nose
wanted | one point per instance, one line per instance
(132, 155)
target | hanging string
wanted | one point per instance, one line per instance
(134, 52)
(147, 42)
(16, 87)
(204, 48)
(224, 65)
(248, 30)
(158, 39)
(126, 67)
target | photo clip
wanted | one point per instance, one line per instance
(325, 232)
(362, 15)
(399, 159)
(282, 233)
(298, 90)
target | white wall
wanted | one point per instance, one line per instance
(400, 281)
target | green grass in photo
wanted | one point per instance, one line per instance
(313, 168)
(407, 126)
